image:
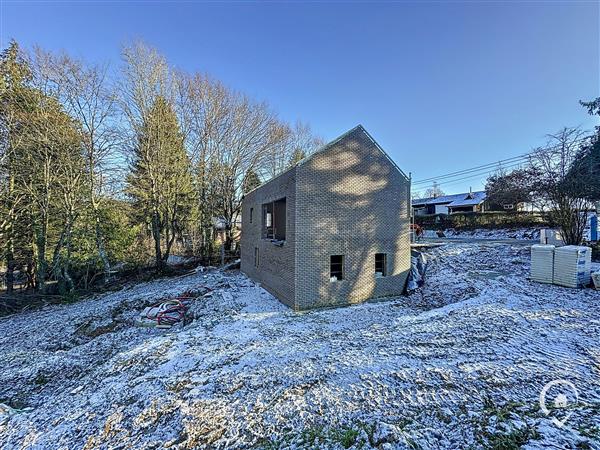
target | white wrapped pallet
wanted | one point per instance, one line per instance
(542, 263)
(596, 280)
(572, 266)
(551, 237)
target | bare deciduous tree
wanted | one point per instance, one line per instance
(66, 131)
(434, 191)
(550, 166)
(90, 99)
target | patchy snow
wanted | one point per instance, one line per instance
(488, 233)
(459, 363)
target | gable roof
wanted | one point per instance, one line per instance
(421, 201)
(464, 199)
(326, 147)
(358, 127)
(475, 198)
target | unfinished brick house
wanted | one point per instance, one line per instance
(332, 230)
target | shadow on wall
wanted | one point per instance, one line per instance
(370, 203)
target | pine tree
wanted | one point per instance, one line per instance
(160, 180)
(15, 102)
(251, 181)
(297, 156)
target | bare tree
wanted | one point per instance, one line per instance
(230, 136)
(289, 146)
(278, 155)
(89, 98)
(159, 182)
(434, 191)
(550, 166)
(204, 107)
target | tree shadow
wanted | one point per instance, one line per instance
(357, 205)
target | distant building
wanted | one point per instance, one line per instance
(333, 229)
(509, 207)
(448, 204)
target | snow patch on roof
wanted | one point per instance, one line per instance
(465, 199)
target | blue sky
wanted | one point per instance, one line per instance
(442, 86)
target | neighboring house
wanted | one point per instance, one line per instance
(333, 229)
(220, 227)
(220, 223)
(448, 204)
(508, 207)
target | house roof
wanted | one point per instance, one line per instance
(464, 199)
(326, 147)
(421, 201)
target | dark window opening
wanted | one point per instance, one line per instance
(251, 214)
(274, 220)
(267, 225)
(380, 264)
(336, 267)
(256, 259)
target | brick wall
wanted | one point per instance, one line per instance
(352, 201)
(276, 265)
(348, 200)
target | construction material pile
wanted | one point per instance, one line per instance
(568, 266)
(168, 312)
(542, 263)
(418, 267)
(572, 266)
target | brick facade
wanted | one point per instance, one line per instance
(348, 199)
(276, 265)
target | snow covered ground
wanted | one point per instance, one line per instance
(532, 233)
(460, 363)
(486, 233)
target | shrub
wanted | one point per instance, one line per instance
(471, 221)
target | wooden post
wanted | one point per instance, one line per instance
(222, 248)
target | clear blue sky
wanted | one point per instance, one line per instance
(442, 86)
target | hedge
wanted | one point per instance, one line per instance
(474, 220)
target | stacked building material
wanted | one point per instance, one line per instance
(572, 266)
(542, 263)
(551, 237)
(596, 280)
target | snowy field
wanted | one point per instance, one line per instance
(487, 233)
(530, 233)
(459, 364)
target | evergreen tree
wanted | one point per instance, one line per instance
(160, 180)
(587, 164)
(15, 103)
(297, 156)
(42, 165)
(251, 181)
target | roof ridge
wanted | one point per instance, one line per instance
(380, 148)
(330, 144)
(446, 198)
(325, 147)
(306, 158)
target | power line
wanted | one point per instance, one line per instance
(478, 175)
(479, 172)
(471, 176)
(520, 158)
